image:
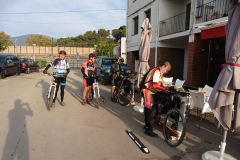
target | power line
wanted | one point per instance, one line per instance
(67, 11)
(61, 23)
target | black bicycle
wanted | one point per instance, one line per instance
(166, 113)
(123, 92)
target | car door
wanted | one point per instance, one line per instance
(15, 65)
(33, 65)
(8, 65)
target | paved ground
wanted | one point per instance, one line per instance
(30, 131)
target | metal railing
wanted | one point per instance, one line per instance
(178, 23)
(210, 11)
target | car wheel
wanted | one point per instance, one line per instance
(37, 69)
(3, 74)
(27, 71)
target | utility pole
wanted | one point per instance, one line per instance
(52, 46)
(15, 47)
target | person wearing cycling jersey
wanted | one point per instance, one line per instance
(62, 70)
(114, 73)
(153, 84)
(88, 69)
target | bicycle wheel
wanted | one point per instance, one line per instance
(125, 95)
(174, 127)
(50, 100)
(97, 96)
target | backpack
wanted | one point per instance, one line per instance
(142, 83)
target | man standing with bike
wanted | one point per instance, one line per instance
(88, 69)
(152, 85)
(114, 73)
(62, 70)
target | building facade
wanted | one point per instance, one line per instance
(183, 35)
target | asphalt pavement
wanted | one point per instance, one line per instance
(75, 132)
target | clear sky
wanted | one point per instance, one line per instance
(60, 25)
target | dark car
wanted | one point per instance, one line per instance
(27, 65)
(9, 64)
(103, 66)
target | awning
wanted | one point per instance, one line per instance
(213, 33)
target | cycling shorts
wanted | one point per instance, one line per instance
(60, 80)
(113, 81)
(87, 81)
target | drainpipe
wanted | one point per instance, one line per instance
(156, 47)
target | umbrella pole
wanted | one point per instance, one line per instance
(223, 145)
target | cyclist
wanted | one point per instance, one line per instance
(114, 73)
(88, 69)
(62, 68)
(153, 84)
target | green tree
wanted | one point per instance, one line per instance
(5, 39)
(39, 40)
(105, 49)
(103, 34)
(116, 34)
(2, 47)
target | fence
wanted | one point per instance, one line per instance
(47, 50)
(212, 10)
(178, 23)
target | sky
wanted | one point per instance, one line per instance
(60, 25)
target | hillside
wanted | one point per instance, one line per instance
(22, 39)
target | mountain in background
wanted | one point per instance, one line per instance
(22, 39)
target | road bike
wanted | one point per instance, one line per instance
(123, 92)
(166, 112)
(52, 90)
(95, 92)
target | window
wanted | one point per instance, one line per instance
(148, 14)
(108, 61)
(2, 58)
(135, 25)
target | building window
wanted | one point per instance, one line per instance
(135, 25)
(148, 15)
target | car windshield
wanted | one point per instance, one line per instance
(108, 61)
(1, 58)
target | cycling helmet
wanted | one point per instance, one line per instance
(121, 59)
(92, 55)
(62, 52)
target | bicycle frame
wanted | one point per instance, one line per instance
(53, 84)
(162, 104)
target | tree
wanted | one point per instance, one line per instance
(5, 39)
(39, 40)
(2, 47)
(105, 49)
(116, 34)
(103, 34)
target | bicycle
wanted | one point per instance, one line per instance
(123, 92)
(95, 92)
(166, 113)
(52, 90)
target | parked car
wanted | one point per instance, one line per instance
(103, 66)
(27, 65)
(9, 64)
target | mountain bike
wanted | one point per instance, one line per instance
(52, 90)
(166, 113)
(123, 92)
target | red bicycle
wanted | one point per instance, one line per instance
(166, 113)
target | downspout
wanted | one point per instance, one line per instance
(156, 47)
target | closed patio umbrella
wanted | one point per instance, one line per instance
(226, 90)
(144, 49)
